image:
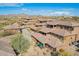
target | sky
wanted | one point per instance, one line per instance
(46, 9)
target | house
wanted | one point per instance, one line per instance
(56, 33)
(46, 39)
(34, 28)
(63, 35)
(70, 26)
(44, 30)
(52, 24)
(64, 28)
(66, 31)
(53, 42)
(42, 20)
(14, 28)
(39, 38)
(40, 24)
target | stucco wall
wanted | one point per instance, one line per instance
(69, 39)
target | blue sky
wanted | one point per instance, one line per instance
(47, 9)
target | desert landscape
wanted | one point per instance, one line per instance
(39, 29)
(39, 35)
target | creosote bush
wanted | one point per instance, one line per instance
(2, 25)
(20, 44)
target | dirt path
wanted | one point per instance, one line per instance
(5, 47)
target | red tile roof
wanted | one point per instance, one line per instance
(39, 37)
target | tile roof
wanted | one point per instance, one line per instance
(49, 39)
(39, 37)
(66, 23)
(35, 28)
(53, 41)
(53, 22)
(45, 30)
(61, 32)
(40, 24)
(13, 26)
(41, 19)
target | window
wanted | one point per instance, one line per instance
(54, 25)
(50, 26)
(61, 27)
(66, 27)
(71, 28)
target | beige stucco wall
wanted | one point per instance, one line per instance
(69, 39)
(76, 31)
(77, 37)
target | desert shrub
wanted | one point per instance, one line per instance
(20, 44)
(65, 53)
(61, 50)
(1, 26)
(54, 53)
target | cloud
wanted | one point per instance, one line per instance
(11, 4)
(61, 13)
(58, 12)
(26, 10)
(23, 9)
(49, 12)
